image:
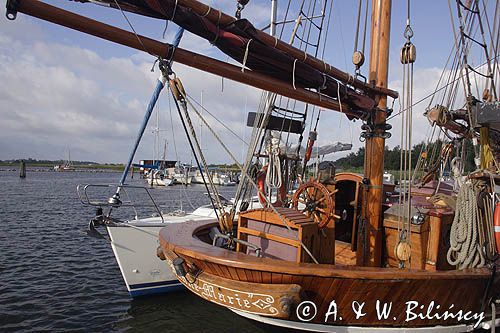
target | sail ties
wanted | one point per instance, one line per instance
(245, 57)
(293, 74)
(217, 33)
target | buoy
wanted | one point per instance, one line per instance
(496, 223)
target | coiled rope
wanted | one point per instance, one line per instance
(465, 249)
(273, 176)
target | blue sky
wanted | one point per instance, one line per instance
(61, 89)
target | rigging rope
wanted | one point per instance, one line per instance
(466, 250)
(132, 27)
(194, 153)
(235, 160)
(358, 57)
(435, 91)
(274, 173)
(408, 55)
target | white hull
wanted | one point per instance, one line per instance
(305, 326)
(134, 250)
(134, 245)
(223, 181)
(160, 182)
(182, 179)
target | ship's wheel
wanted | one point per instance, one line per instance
(315, 202)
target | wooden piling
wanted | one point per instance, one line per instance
(22, 169)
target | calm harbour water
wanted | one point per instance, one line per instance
(53, 277)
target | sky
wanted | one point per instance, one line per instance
(62, 90)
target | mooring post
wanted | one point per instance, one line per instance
(22, 169)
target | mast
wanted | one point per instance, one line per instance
(274, 11)
(369, 251)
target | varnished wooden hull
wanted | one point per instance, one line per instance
(417, 298)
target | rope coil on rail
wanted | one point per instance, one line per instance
(465, 249)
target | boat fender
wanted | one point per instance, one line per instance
(261, 185)
(496, 222)
(159, 253)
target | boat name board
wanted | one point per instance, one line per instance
(261, 299)
(261, 304)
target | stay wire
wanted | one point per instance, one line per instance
(132, 27)
(434, 92)
(356, 37)
(217, 119)
(235, 160)
(195, 154)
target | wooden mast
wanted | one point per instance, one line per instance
(369, 251)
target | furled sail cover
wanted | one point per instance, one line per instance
(234, 39)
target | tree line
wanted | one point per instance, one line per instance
(392, 157)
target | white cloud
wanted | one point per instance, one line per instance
(424, 84)
(55, 97)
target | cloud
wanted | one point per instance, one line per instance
(424, 84)
(55, 97)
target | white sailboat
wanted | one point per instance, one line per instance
(158, 178)
(66, 166)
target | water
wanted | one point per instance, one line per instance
(53, 277)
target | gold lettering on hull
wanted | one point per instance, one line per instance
(270, 300)
(256, 303)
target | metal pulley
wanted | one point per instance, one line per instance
(358, 59)
(408, 53)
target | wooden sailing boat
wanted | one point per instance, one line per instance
(285, 264)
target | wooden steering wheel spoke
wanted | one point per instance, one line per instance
(318, 201)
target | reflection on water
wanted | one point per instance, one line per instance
(184, 312)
